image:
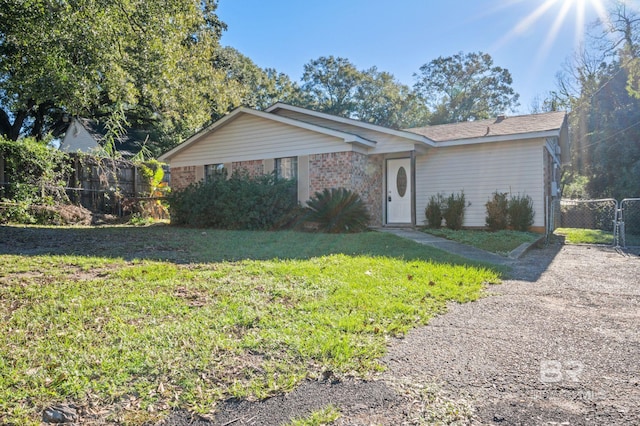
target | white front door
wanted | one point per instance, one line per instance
(399, 190)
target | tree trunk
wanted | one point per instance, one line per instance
(8, 130)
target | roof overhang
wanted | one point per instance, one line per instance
(356, 123)
(501, 138)
(345, 136)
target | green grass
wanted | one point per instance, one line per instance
(500, 242)
(595, 236)
(325, 416)
(96, 317)
(585, 236)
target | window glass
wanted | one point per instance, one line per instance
(211, 170)
(286, 168)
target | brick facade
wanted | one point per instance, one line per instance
(253, 168)
(352, 170)
(181, 177)
(358, 172)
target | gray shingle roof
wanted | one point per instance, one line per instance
(493, 127)
(128, 144)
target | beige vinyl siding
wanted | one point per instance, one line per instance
(253, 138)
(480, 170)
(385, 143)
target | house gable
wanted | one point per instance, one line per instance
(273, 123)
(251, 137)
(78, 139)
(89, 136)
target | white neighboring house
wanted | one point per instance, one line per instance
(87, 136)
(78, 139)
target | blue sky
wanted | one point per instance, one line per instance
(531, 38)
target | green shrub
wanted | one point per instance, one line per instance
(521, 212)
(575, 186)
(433, 212)
(497, 212)
(240, 202)
(37, 176)
(338, 210)
(454, 210)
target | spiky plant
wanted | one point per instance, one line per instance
(338, 210)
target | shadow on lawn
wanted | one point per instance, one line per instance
(187, 245)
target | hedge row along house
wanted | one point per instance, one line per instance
(394, 171)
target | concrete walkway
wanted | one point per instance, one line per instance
(457, 248)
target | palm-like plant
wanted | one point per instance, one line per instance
(338, 210)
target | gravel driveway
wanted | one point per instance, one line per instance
(557, 344)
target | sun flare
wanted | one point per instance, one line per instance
(554, 16)
(565, 11)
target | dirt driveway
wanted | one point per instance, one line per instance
(557, 344)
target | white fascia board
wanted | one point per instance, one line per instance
(400, 133)
(359, 141)
(502, 138)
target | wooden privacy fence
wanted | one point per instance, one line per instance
(102, 185)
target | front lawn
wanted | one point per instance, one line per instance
(585, 236)
(500, 242)
(595, 236)
(128, 322)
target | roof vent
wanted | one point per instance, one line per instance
(500, 118)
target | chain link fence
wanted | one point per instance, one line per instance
(589, 214)
(629, 223)
(602, 221)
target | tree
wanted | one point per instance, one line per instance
(336, 86)
(258, 88)
(624, 25)
(380, 99)
(552, 101)
(465, 87)
(151, 58)
(331, 84)
(605, 118)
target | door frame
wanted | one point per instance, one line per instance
(412, 178)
